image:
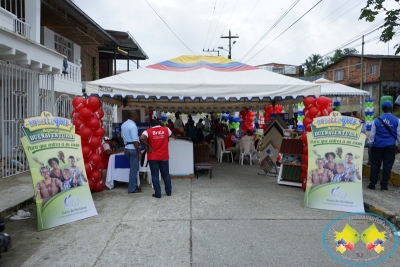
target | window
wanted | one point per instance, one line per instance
(372, 91)
(372, 69)
(339, 74)
(278, 70)
(358, 67)
(64, 46)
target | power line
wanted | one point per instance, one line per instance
(302, 34)
(271, 28)
(217, 24)
(286, 29)
(227, 22)
(212, 16)
(248, 15)
(169, 27)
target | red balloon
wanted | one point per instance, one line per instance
(307, 122)
(304, 185)
(78, 103)
(100, 132)
(86, 151)
(100, 166)
(313, 112)
(93, 123)
(309, 101)
(303, 175)
(265, 108)
(93, 103)
(305, 112)
(330, 102)
(322, 102)
(99, 150)
(91, 184)
(304, 158)
(308, 129)
(327, 111)
(86, 133)
(304, 139)
(304, 168)
(74, 114)
(94, 159)
(96, 175)
(99, 186)
(85, 114)
(79, 124)
(305, 150)
(94, 142)
(99, 113)
(89, 168)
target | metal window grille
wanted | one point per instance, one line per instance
(63, 106)
(23, 93)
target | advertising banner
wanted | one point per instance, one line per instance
(335, 155)
(54, 154)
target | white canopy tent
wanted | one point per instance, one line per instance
(201, 83)
(329, 88)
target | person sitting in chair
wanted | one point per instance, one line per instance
(230, 144)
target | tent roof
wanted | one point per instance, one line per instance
(200, 83)
(331, 88)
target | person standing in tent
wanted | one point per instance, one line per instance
(178, 125)
(129, 132)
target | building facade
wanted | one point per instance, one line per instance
(284, 69)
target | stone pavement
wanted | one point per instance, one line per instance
(237, 218)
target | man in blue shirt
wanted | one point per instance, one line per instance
(384, 132)
(129, 132)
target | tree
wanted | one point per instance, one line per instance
(372, 9)
(313, 64)
(350, 51)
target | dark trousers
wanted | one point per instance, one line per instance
(378, 155)
(157, 167)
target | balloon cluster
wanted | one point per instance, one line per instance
(87, 115)
(369, 113)
(300, 116)
(234, 121)
(247, 117)
(268, 110)
(164, 118)
(336, 105)
(312, 108)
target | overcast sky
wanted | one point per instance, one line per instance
(200, 23)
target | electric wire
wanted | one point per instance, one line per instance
(212, 17)
(217, 24)
(302, 34)
(248, 16)
(286, 29)
(226, 24)
(271, 28)
(169, 27)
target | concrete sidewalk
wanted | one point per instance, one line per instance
(17, 191)
(237, 218)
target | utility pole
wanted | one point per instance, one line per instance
(208, 50)
(230, 44)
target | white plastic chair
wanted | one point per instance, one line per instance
(222, 151)
(247, 151)
(145, 169)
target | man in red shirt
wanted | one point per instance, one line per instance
(156, 141)
(230, 143)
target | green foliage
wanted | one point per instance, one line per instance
(372, 9)
(313, 64)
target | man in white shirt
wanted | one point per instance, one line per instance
(207, 122)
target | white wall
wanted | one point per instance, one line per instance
(32, 17)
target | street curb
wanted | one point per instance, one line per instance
(7, 212)
(385, 213)
(394, 177)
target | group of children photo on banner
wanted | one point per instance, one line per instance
(59, 175)
(333, 167)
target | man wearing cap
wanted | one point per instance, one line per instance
(156, 140)
(129, 132)
(385, 131)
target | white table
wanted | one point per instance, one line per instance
(180, 157)
(117, 174)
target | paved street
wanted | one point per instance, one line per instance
(237, 218)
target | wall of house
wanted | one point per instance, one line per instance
(88, 53)
(352, 74)
(105, 68)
